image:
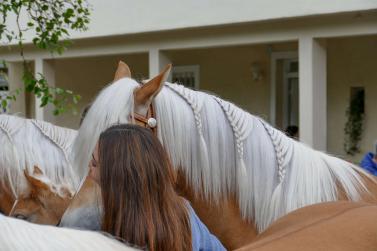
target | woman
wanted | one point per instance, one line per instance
(139, 200)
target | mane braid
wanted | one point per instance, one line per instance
(4, 128)
(240, 123)
(27, 143)
(191, 98)
(55, 137)
(283, 151)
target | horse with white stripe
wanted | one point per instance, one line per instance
(239, 173)
(36, 176)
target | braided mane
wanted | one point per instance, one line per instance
(26, 143)
(224, 150)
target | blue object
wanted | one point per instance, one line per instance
(369, 164)
(202, 239)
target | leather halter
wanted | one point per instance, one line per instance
(149, 121)
(13, 207)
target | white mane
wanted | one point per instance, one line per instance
(21, 235)
(25, 143)
(227, 150)
(113, 105)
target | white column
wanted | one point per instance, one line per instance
(157, 62)
(45, 67)
(313, 94)
(15, 73)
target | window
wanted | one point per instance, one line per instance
(4, 87)
(187, 75)
(290, 93)
(3, 78)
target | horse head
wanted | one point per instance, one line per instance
(43, 202)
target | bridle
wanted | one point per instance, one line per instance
(149, 121)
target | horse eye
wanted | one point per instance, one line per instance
(20, 216)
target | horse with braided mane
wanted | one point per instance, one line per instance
(37, 179)
(239, 173)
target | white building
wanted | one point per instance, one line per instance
(292, 62)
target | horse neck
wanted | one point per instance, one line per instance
(210, 139)
(222, 217)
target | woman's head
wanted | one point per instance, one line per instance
(137, 183)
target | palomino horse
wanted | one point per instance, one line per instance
(44, 202)
(343, 226)
(27, 143)
(239, 173)
(39, 196)
(17, 235)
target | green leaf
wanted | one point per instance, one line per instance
(44, 101)
(29, 88)
(51, 24)
(76, 98)
(4, 103)
(59, 91)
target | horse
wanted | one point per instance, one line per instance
(345, 226)
(239, 173)
(37, 179)
(17, 234)
(39, 196)
(44, 202)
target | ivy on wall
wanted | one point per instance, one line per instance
(353, 129)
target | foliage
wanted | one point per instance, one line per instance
(354, 126)
(50, 22)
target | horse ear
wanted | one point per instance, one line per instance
(150, 89)
(37, 171)
(35, 182)
(123, 71)
(65, 192)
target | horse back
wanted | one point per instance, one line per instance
(342, 226)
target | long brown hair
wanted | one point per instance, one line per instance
(137, 183)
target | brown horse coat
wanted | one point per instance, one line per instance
(342, 226)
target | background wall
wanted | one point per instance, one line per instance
(351, 62)
(117, 17)
(87, 76)
(226, 71)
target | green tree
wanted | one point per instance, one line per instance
(50, 22)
